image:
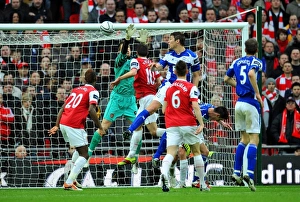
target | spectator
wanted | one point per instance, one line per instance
(285, 127)
(250, 18)
(73, 64)
(60, 50)
(67, 85)
(244, 6)
(98, 9)
(210, 15)
(222, 12)
(270, 57)
(275, 73)
(128, 7)
(20, 152)
(195, 15)
(120, 16)
(295, 61)
(5, 59)
(289, 92)
(16, 6)
(38, 11)
(139, 11)
(163, 13)
(278, 18)
(282, 40)
(26, 123)
(267, 29)
(151, 15)
(43, 68)
(10, 80)
(184, 16)
(292, 27)
(284, 81)
(293, 8)
(6, 119)
(41, 91)
(110, 13)
(216, 101)
(274, 104)
(295, 43)
(22, 78)
(86, 7)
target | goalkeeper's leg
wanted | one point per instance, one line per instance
(97, 137)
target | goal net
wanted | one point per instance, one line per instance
(41, 63)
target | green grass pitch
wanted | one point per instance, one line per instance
(154, 194)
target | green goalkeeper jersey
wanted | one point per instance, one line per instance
(122, 66)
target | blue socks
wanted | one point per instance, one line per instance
(251, 156)
(162, 146)
(238, 161)
(139, 120)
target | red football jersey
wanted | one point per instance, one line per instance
(144, 83)
(179, 97)
(77, 106)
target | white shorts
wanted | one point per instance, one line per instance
(247, 118)
(161, 93)
(201, 138)
(182, 134)
(75, 136)
(144, 103)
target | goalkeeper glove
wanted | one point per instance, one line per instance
(143, 36)
(130, 30)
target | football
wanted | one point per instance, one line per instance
(107, 28)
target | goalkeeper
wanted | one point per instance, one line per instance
(122, 100)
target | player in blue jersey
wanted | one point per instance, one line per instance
(209, 113)
(247, 111)
(178, 52)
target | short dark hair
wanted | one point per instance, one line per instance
(179, 36)
(222, 111)
(142, 50)
(181, 68)
(90, 76)
(295, 84)
(251, 46)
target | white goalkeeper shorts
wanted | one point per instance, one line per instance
(182, 134)
(247, 118)
(144, 103)
(75, 136)
(161, 93)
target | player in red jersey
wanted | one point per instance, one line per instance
(71, 119)
(145, 85)
(180, 108)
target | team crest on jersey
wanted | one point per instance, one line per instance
(112, 115)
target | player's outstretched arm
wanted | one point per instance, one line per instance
(55, 128)
(129, 74)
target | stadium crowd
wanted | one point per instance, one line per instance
(36, 79)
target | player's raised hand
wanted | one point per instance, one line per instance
(130, 30)
(143, 36)
(53, 130)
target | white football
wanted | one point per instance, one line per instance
(107, 28)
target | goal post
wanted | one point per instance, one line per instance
(48, 160)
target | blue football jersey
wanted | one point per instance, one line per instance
(240, 69)
(171, 58)
(204, 111)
